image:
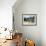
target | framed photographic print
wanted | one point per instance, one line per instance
(29, 19)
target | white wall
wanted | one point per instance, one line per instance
(28, 7)
(6, 13)
(43, 22)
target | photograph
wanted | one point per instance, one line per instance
(29, 19)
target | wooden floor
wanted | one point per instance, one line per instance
(9, 43)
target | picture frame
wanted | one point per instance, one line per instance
(29, 19)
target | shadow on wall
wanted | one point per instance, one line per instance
(28, 7)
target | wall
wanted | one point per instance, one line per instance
(43, 22)
(28, 7)
(6, 13)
